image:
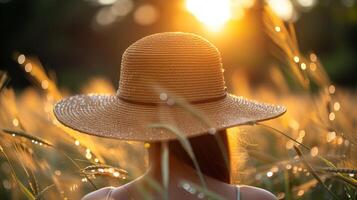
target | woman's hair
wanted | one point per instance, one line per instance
(211, 152)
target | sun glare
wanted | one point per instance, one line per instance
(283, 8)
(213, 13)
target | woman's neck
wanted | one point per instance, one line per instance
(178, 171)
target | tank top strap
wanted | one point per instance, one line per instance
(238, 192)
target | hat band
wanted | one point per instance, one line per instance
(156, 104)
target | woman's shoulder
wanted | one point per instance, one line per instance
(246, 192)
(107, 193)
(99, 194)
(254, 193)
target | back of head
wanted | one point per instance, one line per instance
(210, 151)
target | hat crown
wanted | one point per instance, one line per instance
(183, 64)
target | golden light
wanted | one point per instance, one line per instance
(339, 140)
(275, 169)
(294, 124)
(213, 13)
(330, 136)
(300, 192)
(88, 155)
(336, 106)
(116, 174)
(146, 145)
(15, 122)
(106, 2)
(289, 144)
(277, 29)
(332, 116)
(21, 59)
(313, 57)
(270, 174)
(302, 133)
(28, 67)
(296, 59)
(307, 3)
(58, 173)
(283, 8)
(105, 16)
(44, 84)
(245, 3)
(303, 66)
(313, 66)
(314, 151)
(146, 15)
(331, 89)
(122, 8)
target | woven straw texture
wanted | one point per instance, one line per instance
(167, 78)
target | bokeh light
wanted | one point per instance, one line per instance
(336, 106)
(21, 59)
(28, 67)
(331, 136)
(314, 151)
(277, 29)
(105, 17)
(332, 89)
(146, 15)
(106, 2)
(122, 7)
(313, 66)
(306, 3)
(114, 11)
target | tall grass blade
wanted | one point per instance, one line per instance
(4, 80)
(282, 133)
(187, 147)
(79, 168)
(287, 185)
(27, 136)
(314, 174)
(34, 138)
(165, 170)
(339, 170)
(23, 188)
(155, 185)
(42, 192)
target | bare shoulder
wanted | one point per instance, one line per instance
(99, 194)
(254, 193)
(108, 193)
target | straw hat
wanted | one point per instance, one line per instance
(168, 78)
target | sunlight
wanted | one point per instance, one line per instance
(213, 13)
(283, 8)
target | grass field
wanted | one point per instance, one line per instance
(309, 153)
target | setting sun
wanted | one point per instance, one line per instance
(213, 13)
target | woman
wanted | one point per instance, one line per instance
(172, 95)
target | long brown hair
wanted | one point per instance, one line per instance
(211, 153)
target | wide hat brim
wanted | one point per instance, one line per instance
(111, 117)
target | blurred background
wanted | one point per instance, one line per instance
(51, 49)
(89, 36)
